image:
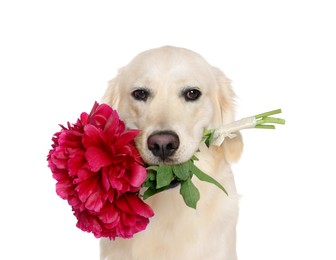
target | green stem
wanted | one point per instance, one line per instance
(269, 113)
(273, 120)
(265, 126)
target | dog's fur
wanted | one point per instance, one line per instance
(177, 231)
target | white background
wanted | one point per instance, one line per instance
(57, 56)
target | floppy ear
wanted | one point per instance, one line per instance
(112, 93)
(232, 147)
(224, 99)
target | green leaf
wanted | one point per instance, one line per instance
(149, 184)
(153, 167)
(182, 171)
(164, 176)
(208, 136)
(204, 177)
(152, 191)
(151, 175)
(189, 193)
(194, 158)
(150, 179)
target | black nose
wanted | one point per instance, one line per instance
(163, 144)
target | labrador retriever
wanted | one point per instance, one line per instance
(172, 95)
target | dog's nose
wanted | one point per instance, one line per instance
(163, 144)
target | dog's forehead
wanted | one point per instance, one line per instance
(167, 58)
(169, 63)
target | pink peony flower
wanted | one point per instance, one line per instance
(99, 172)
(124, 217)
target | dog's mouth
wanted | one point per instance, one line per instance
(164, 148)
(174, 184)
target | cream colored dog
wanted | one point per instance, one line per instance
(173, 95)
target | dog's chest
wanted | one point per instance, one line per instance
(179, 232)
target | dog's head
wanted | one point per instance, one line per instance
(172, 95)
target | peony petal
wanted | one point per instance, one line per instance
(97, 158)
(116, 184)
(112, 127)
(75, 203)
(141, 224)
(88, 222)
(105, 179)
(65, 188)
(128, 219)
(94, 108)
(75, 164)
(92, 136)
(99, 115)
(60, 174)
(110, 216)
(59, 159)
(70, 138)
(95, 202)
(84, 174)
(139, 206)
(138, 175)
(127, 137)
(86, 188)
(84, 117)
(123, 205)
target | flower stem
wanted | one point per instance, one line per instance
(265, 126)
(263, 120)
(273, 120)
(269, 113)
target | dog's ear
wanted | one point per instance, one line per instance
(233, 148)
(112, 93)
(224, 100)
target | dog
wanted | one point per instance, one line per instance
(172, 95)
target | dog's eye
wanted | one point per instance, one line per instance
(140, 94)
(191, 94)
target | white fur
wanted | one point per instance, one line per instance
(177, 231)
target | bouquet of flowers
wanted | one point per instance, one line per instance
(100, 172)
